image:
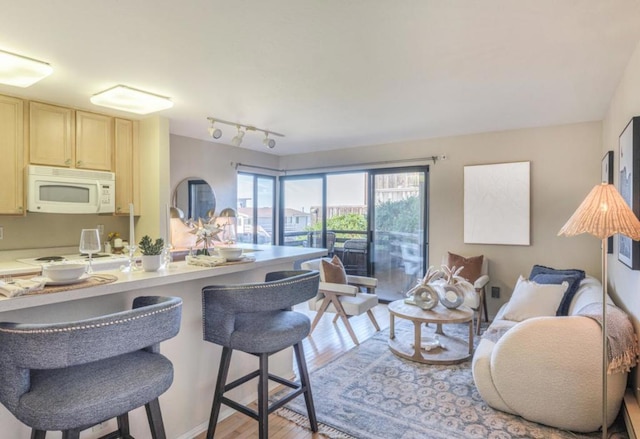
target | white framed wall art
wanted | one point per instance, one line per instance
(497, 203)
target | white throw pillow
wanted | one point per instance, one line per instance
(530, 299)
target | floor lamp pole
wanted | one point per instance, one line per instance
(605, 353)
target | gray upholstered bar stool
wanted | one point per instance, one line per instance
(257, 319)
(71, 376)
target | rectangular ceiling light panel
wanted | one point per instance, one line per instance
(20, 71)
(131, 100)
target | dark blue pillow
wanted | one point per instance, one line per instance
(547, 275)
(557, 279)
(541, 269)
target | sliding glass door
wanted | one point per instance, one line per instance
(374, 221)
(398, 246)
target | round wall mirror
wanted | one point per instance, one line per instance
(195, 198)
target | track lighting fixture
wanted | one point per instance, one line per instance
(269, 143)
(237, 140)
(216, 133)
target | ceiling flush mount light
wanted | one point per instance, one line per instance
(216, 133)
(20, 71)
(131, 100)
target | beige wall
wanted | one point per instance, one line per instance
(214, 163)
(624, 283)
(565, 165)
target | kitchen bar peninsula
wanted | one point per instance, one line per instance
(186, 405)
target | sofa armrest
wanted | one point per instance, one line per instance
(555, 359)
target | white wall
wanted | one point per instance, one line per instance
(624, 283)
(565, 165)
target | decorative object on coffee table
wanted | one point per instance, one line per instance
(453, 289)
(423, 294)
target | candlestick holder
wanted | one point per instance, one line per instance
(167, 257)
(131, 264)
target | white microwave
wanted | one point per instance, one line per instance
(64, 190)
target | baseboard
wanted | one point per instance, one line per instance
(631, 413)
(195, 431)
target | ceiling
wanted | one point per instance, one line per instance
(333, 74)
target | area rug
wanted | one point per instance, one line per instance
(369, 393)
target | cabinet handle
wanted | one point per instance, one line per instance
(67, 162)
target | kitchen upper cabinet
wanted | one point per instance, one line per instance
(12, 163)
(126, 165)
(94, 141)
(51, 135)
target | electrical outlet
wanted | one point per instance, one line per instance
(1, 232)
(101, 229)
(495, 292)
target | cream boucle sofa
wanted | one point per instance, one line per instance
(548, 369)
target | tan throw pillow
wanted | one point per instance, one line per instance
(472, 266)
(333, 271)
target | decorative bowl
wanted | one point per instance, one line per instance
(63, 272)
(230, 253)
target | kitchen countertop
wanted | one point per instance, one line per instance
(177, 272)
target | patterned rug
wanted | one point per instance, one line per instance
(369, 393)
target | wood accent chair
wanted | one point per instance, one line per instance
(71, 376)
(478, 303)
(345, 300)
(257, 319)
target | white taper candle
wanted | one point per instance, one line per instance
(132, 236)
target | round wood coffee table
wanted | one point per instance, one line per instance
(438, 348)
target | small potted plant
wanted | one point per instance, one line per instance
(151, 253)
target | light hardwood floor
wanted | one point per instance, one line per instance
(326, 343)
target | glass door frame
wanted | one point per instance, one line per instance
(371, 213)
(255, 208)
(281, 205)
(371, 173)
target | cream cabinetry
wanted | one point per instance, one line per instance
(126, 165)
(60, 136)
(94, 141)
(51, 135)
(12, 163)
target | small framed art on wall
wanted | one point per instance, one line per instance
(629, 187)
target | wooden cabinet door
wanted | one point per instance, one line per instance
(94, 141)
(126, 166)
(12, 163)
(51, 138)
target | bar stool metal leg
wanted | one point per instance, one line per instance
(154, 416)
(306, 385)
(225, 361)
(263, 397)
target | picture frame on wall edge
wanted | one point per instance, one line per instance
(629, 187)
(607, 177)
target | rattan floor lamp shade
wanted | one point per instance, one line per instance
(602, 214)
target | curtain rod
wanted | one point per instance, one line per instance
(433, 158)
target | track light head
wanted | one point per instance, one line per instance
(237, 140)
(214, 132)
(269, 143)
